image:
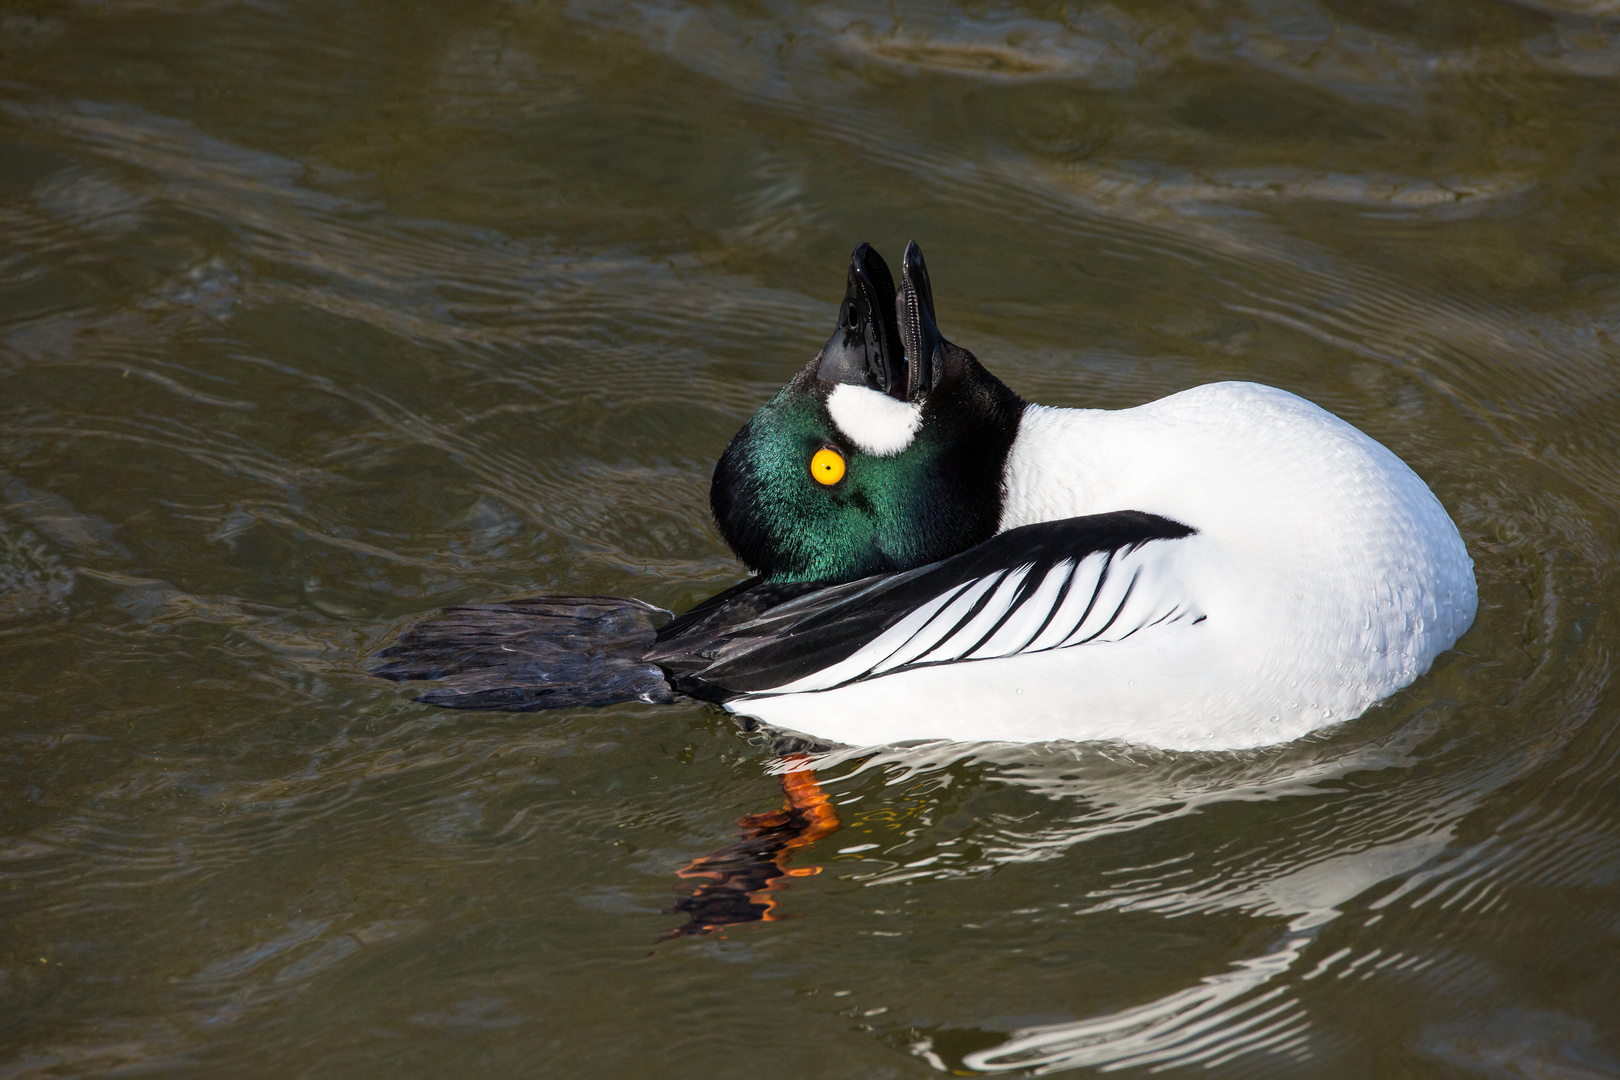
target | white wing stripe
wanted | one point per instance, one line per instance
(1024, 623)
(1106, 596)
(943, 624)
(1077, 602)
(853, 667)
(979, 627)
(1111, 599)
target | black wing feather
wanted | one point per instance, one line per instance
(748, 643)
(566, 651)
(549, 652)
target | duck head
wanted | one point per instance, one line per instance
(883, 453)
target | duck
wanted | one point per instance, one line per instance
(934, 558)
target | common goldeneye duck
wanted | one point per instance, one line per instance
(1227, 567)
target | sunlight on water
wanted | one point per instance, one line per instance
(314, 319)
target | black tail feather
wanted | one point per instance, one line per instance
(549, 652)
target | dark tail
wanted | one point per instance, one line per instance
(550, 652)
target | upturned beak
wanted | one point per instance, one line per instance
(919, 334)
(866, 349)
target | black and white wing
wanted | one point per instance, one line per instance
(1051, 585)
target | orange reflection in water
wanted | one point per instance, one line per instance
(737, 884)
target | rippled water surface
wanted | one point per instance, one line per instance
(315, 317)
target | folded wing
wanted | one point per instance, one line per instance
(1051, 585)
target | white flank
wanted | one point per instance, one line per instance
(872, 420)
(1323, 576)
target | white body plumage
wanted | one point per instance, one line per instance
(1323, 576)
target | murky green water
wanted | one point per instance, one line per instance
(314, 317)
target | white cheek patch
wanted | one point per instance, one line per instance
(873, 420)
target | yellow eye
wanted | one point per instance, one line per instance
(827, 466)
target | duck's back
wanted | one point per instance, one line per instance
(1326, 573)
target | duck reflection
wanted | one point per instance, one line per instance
(737, 884)
(1279, 838)
(1276, 837)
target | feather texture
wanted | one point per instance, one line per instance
(1228, 567)
(550, 652)
(1022, 581)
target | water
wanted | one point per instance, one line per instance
(315, 317)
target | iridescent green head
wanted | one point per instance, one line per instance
(884, 453)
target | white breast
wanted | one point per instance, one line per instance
(1330, 574)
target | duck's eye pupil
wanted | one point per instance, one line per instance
(827, 466)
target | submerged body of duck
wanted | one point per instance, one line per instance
(1230, 566)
